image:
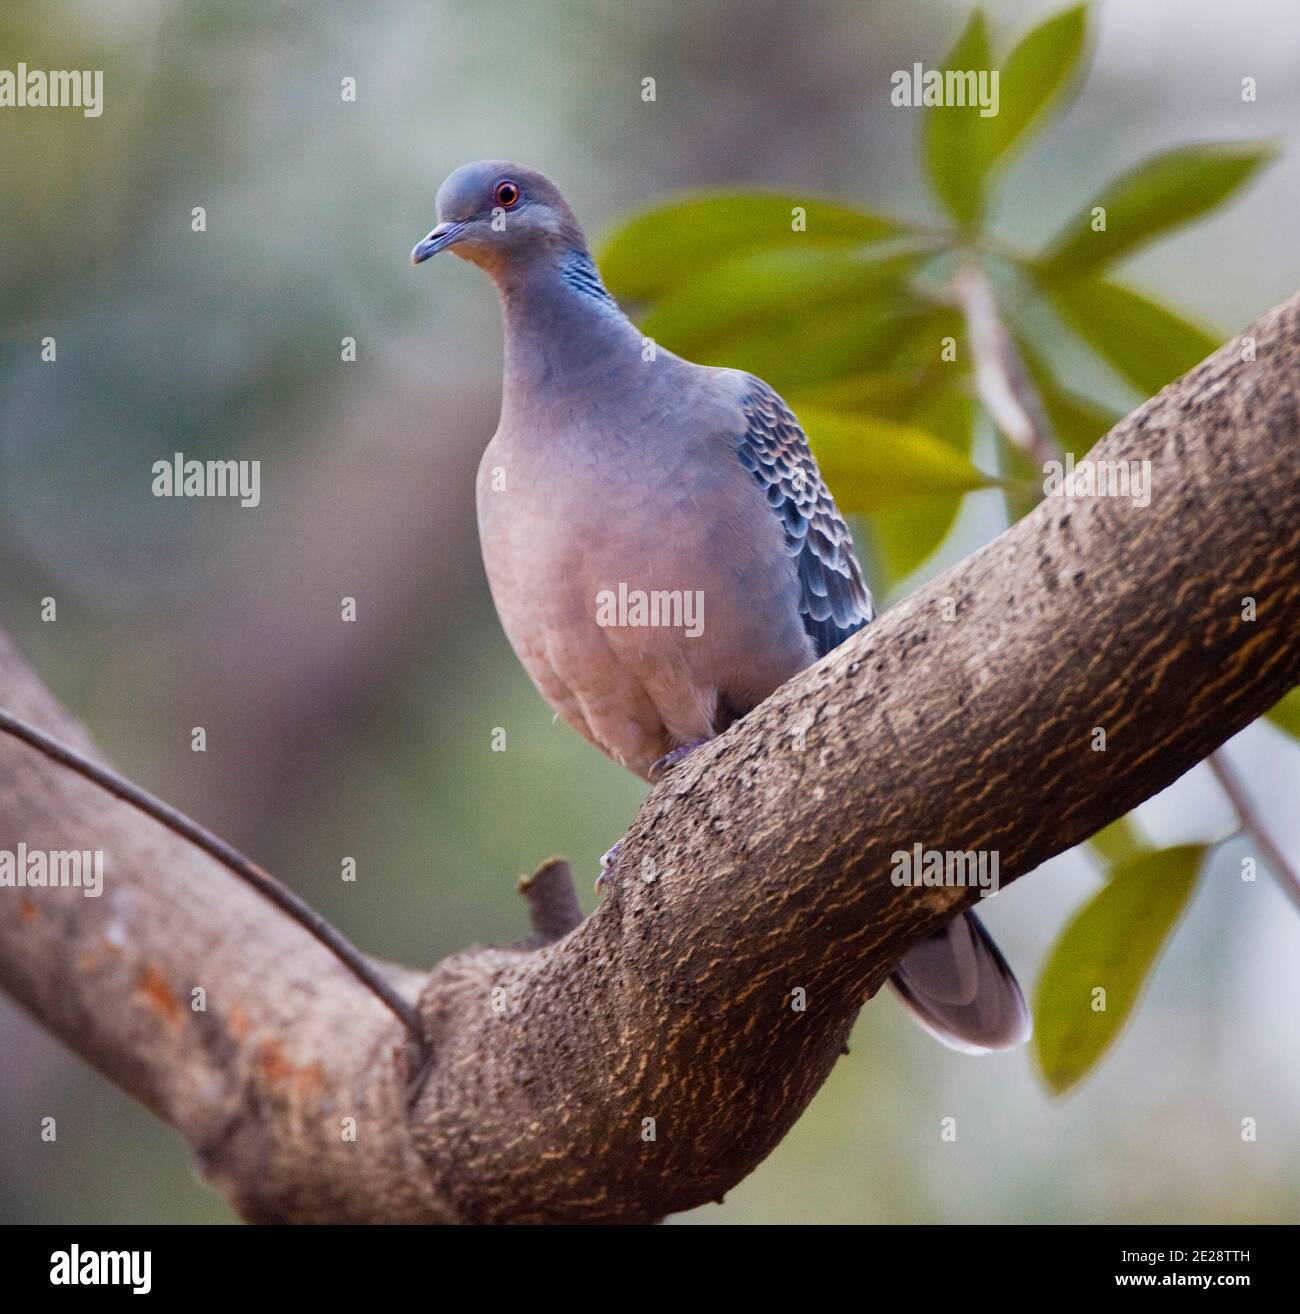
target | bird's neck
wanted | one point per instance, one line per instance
(562, 329)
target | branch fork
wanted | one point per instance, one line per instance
(646, 1059)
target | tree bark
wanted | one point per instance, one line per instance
(645, 1061)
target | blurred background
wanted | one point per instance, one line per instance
(374, 740)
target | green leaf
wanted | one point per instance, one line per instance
(871, 465)
(953, 153)
(926, 394)
(1286, 714)
(1023, 478)
(905, 536)
(1147, 344)
(1110, 944)
(801, 350)
(746, 291)
(1032, 77)
(668, 245)
(946, 409)
(887, 394)
(1078, 422)
(1119, 841)
(1161, 193)
(962, 145)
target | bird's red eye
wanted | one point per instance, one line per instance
(507, 194)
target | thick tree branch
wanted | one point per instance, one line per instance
(1009, 396)
(249, 872)
(647, 1060)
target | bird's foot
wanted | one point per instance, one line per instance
(607, 860)
(661, 766)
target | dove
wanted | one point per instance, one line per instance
(660, 545)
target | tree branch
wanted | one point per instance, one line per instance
(265, 884)
(648, 1059)
(1008, 394)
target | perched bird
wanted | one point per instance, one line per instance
(661, 548)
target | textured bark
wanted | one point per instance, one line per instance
(962, 719)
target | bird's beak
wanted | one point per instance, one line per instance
(439, 239)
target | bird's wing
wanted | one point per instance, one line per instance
(833, 600)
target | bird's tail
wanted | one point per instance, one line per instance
(959, 988)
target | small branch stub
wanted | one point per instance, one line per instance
(552, 900)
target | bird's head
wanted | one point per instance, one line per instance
(500, 215)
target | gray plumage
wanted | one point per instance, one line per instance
(617, 466)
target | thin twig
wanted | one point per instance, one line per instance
(266, 884)
(1254, 829)
(1001, 377)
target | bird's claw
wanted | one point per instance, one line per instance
(607, 860)
(671, 759)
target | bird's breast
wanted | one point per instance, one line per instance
(638, 587)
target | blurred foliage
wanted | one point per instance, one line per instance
(854, 316)
(646, 258)
(1146, 343)
(963, 149)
